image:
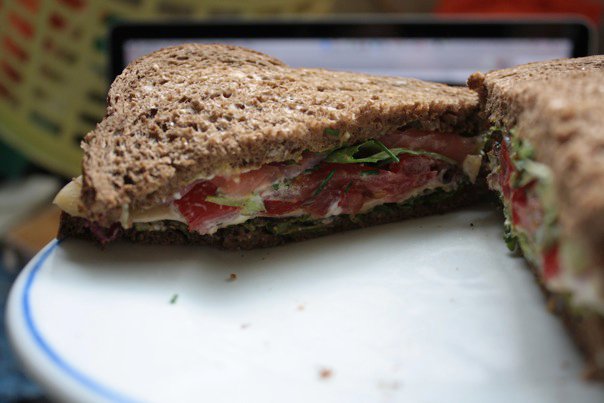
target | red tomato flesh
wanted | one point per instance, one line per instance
(551, 265)
(450, 145)
(526, 209)
(245, 183)
(318, 188)
(344, 187)
(199, 212)
(280, 207)
(350, 186)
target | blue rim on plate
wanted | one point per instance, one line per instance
(53, 356)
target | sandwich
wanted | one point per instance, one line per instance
(221, 145)
(225, 146)
(546, 125)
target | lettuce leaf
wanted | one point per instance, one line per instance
(374, 152)
(249, 205)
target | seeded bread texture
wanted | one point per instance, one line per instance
(199, 110)
(505, 93)
(558, 107)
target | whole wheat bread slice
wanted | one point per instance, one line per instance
(200, 110)
(505, 93)
(558, 107)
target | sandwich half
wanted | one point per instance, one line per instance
(226, 146)
(547, 164)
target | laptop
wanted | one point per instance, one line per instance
(445, 51)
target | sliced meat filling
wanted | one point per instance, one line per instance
(349, 180)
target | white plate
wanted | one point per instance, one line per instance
(429, 310)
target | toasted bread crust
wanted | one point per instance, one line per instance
(557, 107)
(196, 110)
(505, 93)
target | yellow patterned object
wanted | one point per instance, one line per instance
(53, 64)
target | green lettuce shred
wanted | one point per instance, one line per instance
(375, 152)
(249, 205)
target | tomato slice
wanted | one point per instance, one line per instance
(401, 177)
(450, 145)
(245, 183)
(551, 264)
(351, 199)
(200, 214)
(280, 207)
(320, 204)
(343, 187)
(518, 203)
(352, 185)
(526, 209)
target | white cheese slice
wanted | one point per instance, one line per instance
(68, 200)
(471, 166)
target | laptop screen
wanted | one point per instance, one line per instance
(442, 60)
(436, 51)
